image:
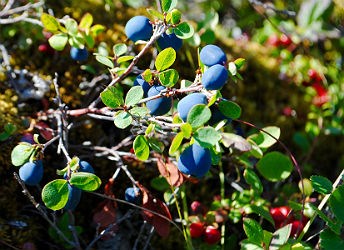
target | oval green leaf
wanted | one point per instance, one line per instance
(122, 119)
(155, 13)
(253, 230)
(280, 237)
(21, 154)
(120, 49)
(134, 95)
(175, 144)
(49, 22)
(198, 115)
(275, 166)
(86, 21)
(124, 59)
(71, 26)
(105, 60)
(265, 140)
(184, 30)
(321, 184)
(168, 5)
(169, 77)
(230, 109)
(336, 203)
(112, 97)
(55, 194)
(207, 137)
(165, 59)
(85, 181)
(253, 180)
(141, 148)
(139, 111)
(58, 41)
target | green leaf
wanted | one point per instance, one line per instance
(280, 237)
(159, 183)
(122, 119)
(329, 240)
(264, 140)
(147, 75)
(248, 245)
(155, 13)
(174, 16)
(58, 41)
(176, 142)
(239, 63)
(169, 77)
(76, 41)
(230, 109)
(71, 26)
(165, 59)
(112, 97)
(275, 166)
(253, 231)
(198, 115)
(186, 129)
(336, 203)
(4, 136)
(253, 180)
(21, 154)
(89, 40)
(207, 136)
(97, 29)
(263, 212)
(105, 60)
(139, 111)
(184, 30)
(235, 141)
(156, 144)
(335, 226)
(321, 184)
(49, 22)
(120, 49)
(86, 21)
(10, 128)
(134, 95)
(123, 59)
(55, 194)
(168, 5)
(141, 148)
(85, 181)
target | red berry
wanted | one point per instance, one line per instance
(196, 229)
(314, 75)
(212, 235)
(273, 40)
(319, 88)
(296, 227)
(285, 40)
(288, 111)
(198, 208)
(45, 48)
(280, 214)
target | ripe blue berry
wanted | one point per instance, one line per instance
(138, 28)
(85, 167)
(158, 106)
(74, 197)
(139, 81)
(31, 172)
(195, 160)
(78, 54)
(215, 77)
(212, 54)
(170, 40)
(132, 195)
(186, 104)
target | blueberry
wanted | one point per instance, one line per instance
(138, 28)
(158, 106)
(170, 40)
(186, 104)
(31, 172)
(78, 54)
(85, 167)
(132, 195)
(217, 116)
(74, 197)
(212, 54)
(195, 160)
(215, 77)
(139, 81)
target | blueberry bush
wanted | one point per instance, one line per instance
(180, 124)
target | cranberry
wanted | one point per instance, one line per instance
(273, 40)
(280, 214)
(285, 40)
(196, 229)
(314, 75)
(212, 235)
(296, 227)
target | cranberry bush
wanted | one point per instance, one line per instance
(186, 129)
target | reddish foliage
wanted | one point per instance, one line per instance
(170, 171)
(44, 130)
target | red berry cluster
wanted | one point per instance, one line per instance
(276, 41)
(283, 215)
(316, 82)
(209, 233)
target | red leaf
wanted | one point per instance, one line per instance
(45, 131)
(160, 223)
(167, 169)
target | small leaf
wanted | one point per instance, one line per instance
(134, 95)
(207, 136)
(253, 231)
(55, 194)
(150, 129)
(275, 166)
(230, 109)
(122, 119)
(263, 212)
(264, 140)
(139, 111)
(105, 60)
(280, 237)
(239, 63)
(156, 144)
(141, 148)
(10, 128)
(169, 77)
(58, 41)
(253, 180)
(174, 17)
(97, 29)
(198, 115)
(248, 245)
(170, 171)
(165, 59)
(329, 240)
(184, 30)
(123, 59)
(336, 203)
(176, 142)
(168, 5)
(71, 26)
(74, 163)
(85, 181)
(49, 22)
(120, 49)
(86, 21)
(186, 128)
(235, 141)
(335, 226)
(155, 13)
(21, 154)
(321, 184)
(112, 97)
(147, 75)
